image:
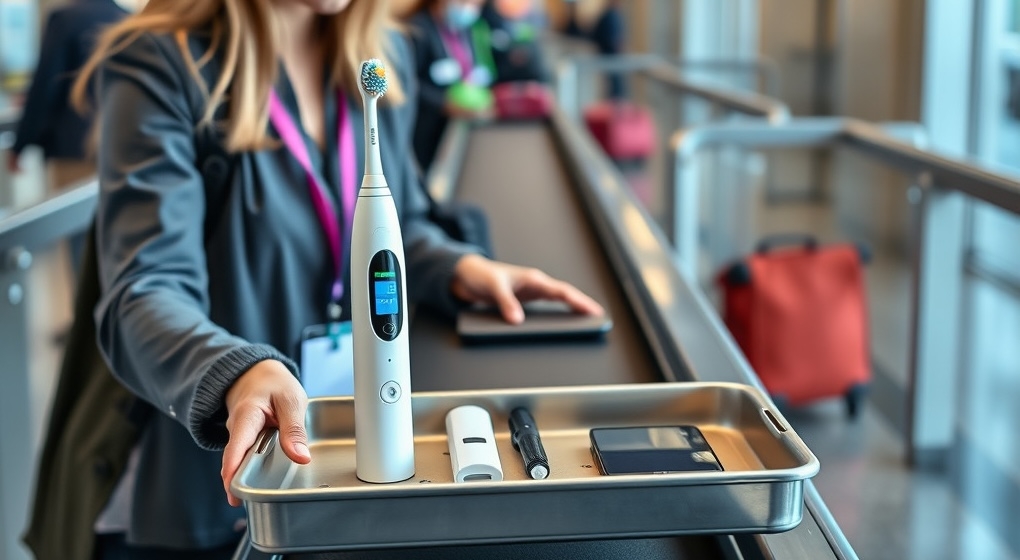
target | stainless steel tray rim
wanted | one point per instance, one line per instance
(451, 489)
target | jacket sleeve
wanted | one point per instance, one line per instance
(432, 97)
(152, 319)
(429, 254)
(49, 83)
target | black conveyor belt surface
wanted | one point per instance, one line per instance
(516, 173)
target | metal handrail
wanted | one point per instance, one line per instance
(748, 103)
(947, 172)
(764, 67)
(670, 73)
(49, 221)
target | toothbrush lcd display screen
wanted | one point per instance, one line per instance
(385, 295)
(386, 302)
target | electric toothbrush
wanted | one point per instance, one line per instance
(383, 432)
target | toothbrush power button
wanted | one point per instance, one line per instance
(390, 392)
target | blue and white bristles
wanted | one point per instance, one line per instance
(372, 83)
(373, 77)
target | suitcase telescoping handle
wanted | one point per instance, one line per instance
(739, 274)
(805, 240)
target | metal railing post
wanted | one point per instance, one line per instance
(16, 449)
(935, 325)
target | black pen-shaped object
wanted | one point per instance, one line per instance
(524, 437)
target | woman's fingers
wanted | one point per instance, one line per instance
(477, 279)
(290, 414)
(534, 284)
(502, 293)
(244, 424)
(267, 395)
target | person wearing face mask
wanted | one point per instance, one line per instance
(516, 29)
(454, 66)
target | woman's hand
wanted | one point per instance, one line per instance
(477, 279)
(267, 395)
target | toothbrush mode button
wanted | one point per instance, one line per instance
(389, 328)
(390, 392)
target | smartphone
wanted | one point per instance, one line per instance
(652, 450)
(543, 320)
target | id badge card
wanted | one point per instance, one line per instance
(327, 360)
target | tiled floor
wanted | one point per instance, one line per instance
(887, 511)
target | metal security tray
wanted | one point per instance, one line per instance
(323, 506)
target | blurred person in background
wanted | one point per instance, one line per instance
(48, 120)
(516, 27)
(455, 67)
(608, 34)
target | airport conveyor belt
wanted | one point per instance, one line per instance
(557, 204)
(536, 182)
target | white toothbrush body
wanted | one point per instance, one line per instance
(383, 430)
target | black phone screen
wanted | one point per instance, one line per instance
(652, 450)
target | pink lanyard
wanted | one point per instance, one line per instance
(295, 144)
(455, 44)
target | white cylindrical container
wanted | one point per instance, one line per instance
(473, 452)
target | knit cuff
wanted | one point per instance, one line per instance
(208, 419)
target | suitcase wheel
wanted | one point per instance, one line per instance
(854, 399)
(739, 275)
(864, 253)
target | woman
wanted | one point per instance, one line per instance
(208, 282)
(452, 62)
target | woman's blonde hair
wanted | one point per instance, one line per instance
(243, 31)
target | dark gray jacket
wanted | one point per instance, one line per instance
(203, 279)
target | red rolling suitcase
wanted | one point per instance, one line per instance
(522, 100)
(624, 130)
(799, 313)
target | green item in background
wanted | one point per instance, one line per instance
(525, 33)
(481, 41)
(471, 97)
